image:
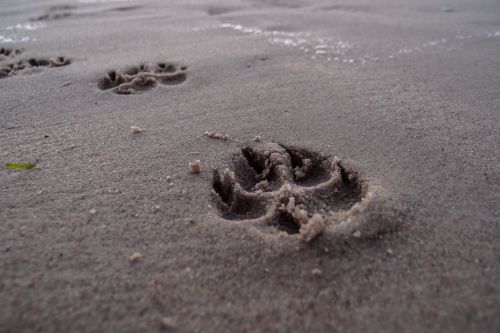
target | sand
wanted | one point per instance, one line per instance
(110, 232)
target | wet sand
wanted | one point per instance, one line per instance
(395, 105)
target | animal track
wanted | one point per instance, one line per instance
(143, 77)
(347, 8)
(7, 52)
(289, 4)
(125, 8)
(56, 13)
(215, 10)
(32, 63)
(296, 190)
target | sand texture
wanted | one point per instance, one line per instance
(249, 166)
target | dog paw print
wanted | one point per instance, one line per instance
(294, 189)
(6, 53)
(56, 13)
(143, 77)
(32, 64)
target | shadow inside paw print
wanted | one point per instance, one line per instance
(143, 77)
(32, 63)
(6, 52)
(294, 189)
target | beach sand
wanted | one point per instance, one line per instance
(383, 116)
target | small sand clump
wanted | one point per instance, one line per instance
(262, 186)
(136, 129)
(167, 323)
(313, 228)
(195, 167)
(135, 257)
(216, 135)
(302, 171)
(309, 227)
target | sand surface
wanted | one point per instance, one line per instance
(110, 232)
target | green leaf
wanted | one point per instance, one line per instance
(19, 165)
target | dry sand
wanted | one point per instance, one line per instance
(110, 232)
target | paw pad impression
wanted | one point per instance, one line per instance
(32, 63)
(142, 78)
(296, 190)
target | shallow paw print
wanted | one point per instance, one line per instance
(142, 78)
(33, 64)
(56, 13)
(294, 189)
(6, 53)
